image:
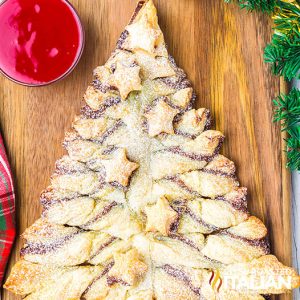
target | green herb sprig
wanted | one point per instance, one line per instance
(263, 5)
(283, 53)
(287, 111)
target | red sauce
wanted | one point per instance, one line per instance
(40, 40)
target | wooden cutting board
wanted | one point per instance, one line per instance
(220, 47)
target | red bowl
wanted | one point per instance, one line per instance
(41, 41)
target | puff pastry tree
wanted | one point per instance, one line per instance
(143, 206)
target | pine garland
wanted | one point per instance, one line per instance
(263, 5)
(292, 149)
(284, 50)
(287, 111)
(283, 53)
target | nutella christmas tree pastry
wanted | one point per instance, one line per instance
(143, 206)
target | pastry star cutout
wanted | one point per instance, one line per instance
(142, 36)
(126, 79)
(128, 268)
(160, 216)
(119, 168)
(160, 118)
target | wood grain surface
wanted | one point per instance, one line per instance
(220, 47)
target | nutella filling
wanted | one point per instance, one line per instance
(104, 212)
(63, 169)
(261, 243)
(209, 120)
(181, 184)
(192, 156)
(109, 132)
(239, 204)
(103, 246)
(89, 113)
(122, 39)
(218, 173)
(210, 227)
(103, 273)
(104, 88)
(44, 248)
(185, 134)
(112, 280)
(182, 276)
(177, 82)
(48, 199)
(185, 240)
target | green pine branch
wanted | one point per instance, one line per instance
(262, 5)
(283, 53)
(293, 149)
(287, 111)
(284, 58)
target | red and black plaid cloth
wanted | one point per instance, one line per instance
(7, 210)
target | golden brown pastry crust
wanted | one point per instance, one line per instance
(143, 206)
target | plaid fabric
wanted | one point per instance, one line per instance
(7, 210)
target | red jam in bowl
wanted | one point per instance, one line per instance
(40, 40)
